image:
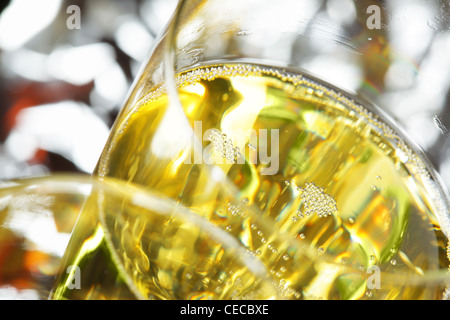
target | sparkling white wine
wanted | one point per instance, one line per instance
(326, 190)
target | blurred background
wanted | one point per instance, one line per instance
(61, 87)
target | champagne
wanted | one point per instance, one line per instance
(326, 189)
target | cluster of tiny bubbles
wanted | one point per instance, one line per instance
(300, 215)
(223, 145)
(285, 290)
(235, 209)
(213, 72)
(272, 248)
(254, 253)
(314, 200)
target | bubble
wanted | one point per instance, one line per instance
(283, 269)
(302, 236)
(228, 228)
(320, 250)
(369, 294)
(286, 257)
(378, 177)
(295, 219)
(372, 258)
(315, 200)
(188, 275)
(393, 262)
(373, 187)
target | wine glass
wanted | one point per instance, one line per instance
(236, 118)
(152, 247)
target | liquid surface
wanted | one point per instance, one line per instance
(330, 198)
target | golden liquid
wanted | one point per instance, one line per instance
(330, 190)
